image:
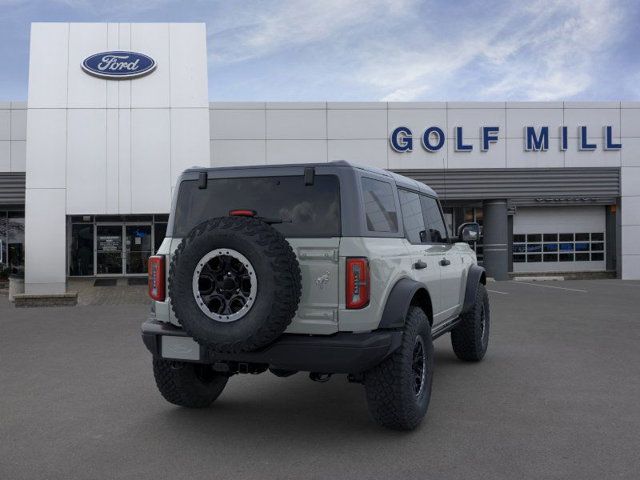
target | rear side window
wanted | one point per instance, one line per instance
(436, 231)
(412, 216)
(379, 206)
(306, 210)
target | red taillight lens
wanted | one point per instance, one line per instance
(358, 287)
(242, 213)
(156, 278)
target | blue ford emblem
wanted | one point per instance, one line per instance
(118, 65)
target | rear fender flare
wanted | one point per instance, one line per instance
(403, 294)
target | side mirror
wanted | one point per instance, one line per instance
(469, 232)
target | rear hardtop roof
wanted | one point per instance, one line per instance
(261, 170)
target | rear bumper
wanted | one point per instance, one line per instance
(339, 353)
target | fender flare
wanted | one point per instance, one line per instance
(399, 301)
(475, 277)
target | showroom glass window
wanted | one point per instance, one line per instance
(380, 206)
(12, 239)
(114, 244)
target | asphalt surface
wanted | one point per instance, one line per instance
(558, 396)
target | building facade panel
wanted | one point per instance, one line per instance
(85, 91)
(296, 151)
(294, 124)
(45, 241)
(238, 124)
(48, 65)
(5, 124)
(150, 160)
(518, 118)
(518, 158)
(238, 152)
(18, 123)
(152, 91)
(18, 156)
(366, 152)
(86, 168)
(357, 124)
(5, 156)
(46, 147)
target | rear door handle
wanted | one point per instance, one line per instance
(444, 262)
(419, 265)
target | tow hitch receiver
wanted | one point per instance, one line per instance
(320, 377)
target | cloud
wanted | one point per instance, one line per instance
(271, 27)
(408, 50)
(390, 50)
(546, 51)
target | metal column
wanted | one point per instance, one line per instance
(496, 239)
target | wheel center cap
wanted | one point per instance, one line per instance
(229, 284)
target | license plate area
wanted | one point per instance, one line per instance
(179, 348)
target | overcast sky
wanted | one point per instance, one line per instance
(402, 50)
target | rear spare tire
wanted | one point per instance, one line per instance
(234, 284)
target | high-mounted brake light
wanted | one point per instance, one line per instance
(358, 288)
(156, 278)
(242, 213)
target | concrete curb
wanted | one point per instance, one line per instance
(24, 300)
(539, 279)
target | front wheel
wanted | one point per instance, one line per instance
(186, 384)
(470, 338)
(399, 389)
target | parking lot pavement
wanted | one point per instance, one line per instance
(556, 397)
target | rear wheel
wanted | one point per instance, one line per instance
(189, 385)
(399, 389)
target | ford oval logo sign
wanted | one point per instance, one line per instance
(118, 65)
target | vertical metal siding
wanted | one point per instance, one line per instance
(12, 188)
(526, 183)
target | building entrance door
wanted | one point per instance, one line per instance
(123, 249)
(109, 250)
(138, 247)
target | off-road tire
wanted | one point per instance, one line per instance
(278, 279)
(389, 386)
(189, 385)
(469, 339)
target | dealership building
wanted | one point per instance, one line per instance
(115, 112)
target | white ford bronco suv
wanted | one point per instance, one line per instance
(324, 268)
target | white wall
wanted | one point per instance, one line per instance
(98, 146)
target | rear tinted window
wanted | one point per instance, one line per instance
(307, 211)
(379, 206)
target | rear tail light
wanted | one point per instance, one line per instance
(156, 278)
(358, 287)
